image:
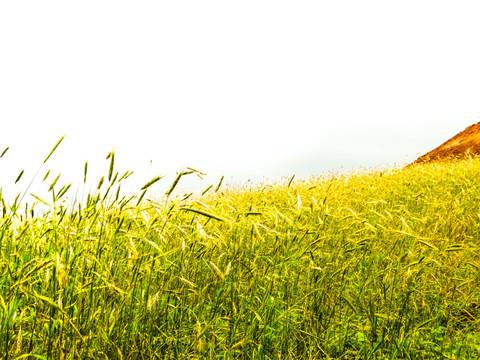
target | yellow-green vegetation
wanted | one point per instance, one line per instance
(377, 265)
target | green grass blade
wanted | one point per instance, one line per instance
(19, 176)
(175, 183)
(204, 213)
(219, 184)
(112, 162)
(151, 182)
(4, 151)
(54, 148)
(43, 201)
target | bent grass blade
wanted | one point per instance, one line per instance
(204, 213)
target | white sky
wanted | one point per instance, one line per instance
(247, 89)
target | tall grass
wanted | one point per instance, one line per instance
(382, 265)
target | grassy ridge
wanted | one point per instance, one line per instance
(377, 265)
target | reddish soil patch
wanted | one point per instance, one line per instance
(463, 145)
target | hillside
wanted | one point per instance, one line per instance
(463, 145)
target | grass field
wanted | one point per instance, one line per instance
(377, 265)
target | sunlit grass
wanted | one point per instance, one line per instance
(379, 265)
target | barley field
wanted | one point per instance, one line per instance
(369, 265)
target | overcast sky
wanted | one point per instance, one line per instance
(247, 89)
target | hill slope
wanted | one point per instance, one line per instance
(462, 145)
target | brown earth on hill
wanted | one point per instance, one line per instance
(463, 145)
